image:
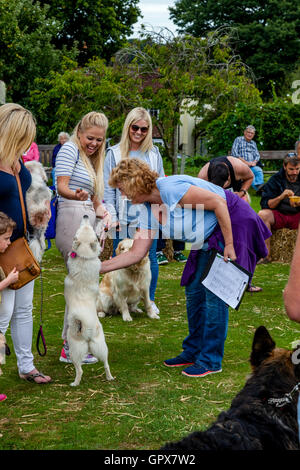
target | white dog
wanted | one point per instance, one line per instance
(122, 290)
(85, 333)
(37, 197)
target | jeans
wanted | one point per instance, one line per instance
(207, 322)
(153, 265)
(258, 176)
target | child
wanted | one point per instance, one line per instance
(7, 226)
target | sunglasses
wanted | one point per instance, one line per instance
(291, 155)
(135, 128)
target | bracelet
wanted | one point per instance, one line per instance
(105, 213)
(243, 191)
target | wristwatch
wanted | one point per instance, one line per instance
(243, 191)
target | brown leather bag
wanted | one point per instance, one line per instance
(19, 255)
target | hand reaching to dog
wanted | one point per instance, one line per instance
(41, 219)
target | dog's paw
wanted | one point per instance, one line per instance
(136, 310)
(101, 314)
(153, 316)
(126, 317)
(74, 384)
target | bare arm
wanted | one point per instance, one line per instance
(242, 172)
(203, 172)
(64, 190)
(291, 293)
(212, 202)
(273, 203)
(141, 245)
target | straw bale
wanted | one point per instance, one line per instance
(283, 244)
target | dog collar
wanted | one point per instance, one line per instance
(73, 254)
(287, 398)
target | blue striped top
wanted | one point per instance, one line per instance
(69, 163)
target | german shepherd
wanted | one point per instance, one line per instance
(263, 415)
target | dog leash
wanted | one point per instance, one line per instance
(40, 335)
(287, 398)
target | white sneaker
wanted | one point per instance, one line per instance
(155, 308)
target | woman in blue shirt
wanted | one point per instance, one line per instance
(195, 211)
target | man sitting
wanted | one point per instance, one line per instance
(245, 149)
(278, 209)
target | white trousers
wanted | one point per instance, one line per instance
(16, 310)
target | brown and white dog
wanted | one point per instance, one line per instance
(122, 290)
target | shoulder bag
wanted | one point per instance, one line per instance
(19, 255)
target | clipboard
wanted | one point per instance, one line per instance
(227, 280)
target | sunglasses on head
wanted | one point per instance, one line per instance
(135, 128)
(291, 155)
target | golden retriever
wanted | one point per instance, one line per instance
(122, 290)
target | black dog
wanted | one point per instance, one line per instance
(263, 416)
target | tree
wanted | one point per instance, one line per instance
(185, 73)
(100, 27)
(26, 47)
(267, 33)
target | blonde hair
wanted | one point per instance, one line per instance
(135, 115)
(94, 163)
(6, 223)
(17, 132)
(135, 176)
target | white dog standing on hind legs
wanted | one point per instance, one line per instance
(85, 333)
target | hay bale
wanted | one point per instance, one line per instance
(283, 245)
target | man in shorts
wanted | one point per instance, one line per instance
(279, 209)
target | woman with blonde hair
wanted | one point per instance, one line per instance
(17, 132)
(79, 183)
(136, 142)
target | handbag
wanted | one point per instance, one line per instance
(19, 255)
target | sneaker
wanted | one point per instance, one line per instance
(161, 258)
(155, 307)
(195, 371)
(2, 397)
(179, 256)
(177, 361)
(65, 356)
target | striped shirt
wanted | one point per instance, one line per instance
(69, 163)
(244, 149)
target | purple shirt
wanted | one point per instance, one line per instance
(249, 235)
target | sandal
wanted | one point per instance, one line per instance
(254, 289)
(32, 376)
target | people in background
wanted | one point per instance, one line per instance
(245, 149)
(136, 142)
(178, 247)
(63, 137)
(80, 185)
(279, 207)
(32, 153)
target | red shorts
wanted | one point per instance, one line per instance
(290, 221)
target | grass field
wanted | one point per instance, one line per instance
(147, 404)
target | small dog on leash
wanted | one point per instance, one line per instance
(37, 197)
(122, 290)
(85, 333)
(263, 415)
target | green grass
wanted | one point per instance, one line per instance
(147, 404)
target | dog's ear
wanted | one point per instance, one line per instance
(262, 346)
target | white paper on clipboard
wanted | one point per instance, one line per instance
(226, 280)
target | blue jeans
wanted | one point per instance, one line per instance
(258, 176)
(153, 265)
(207, 322)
